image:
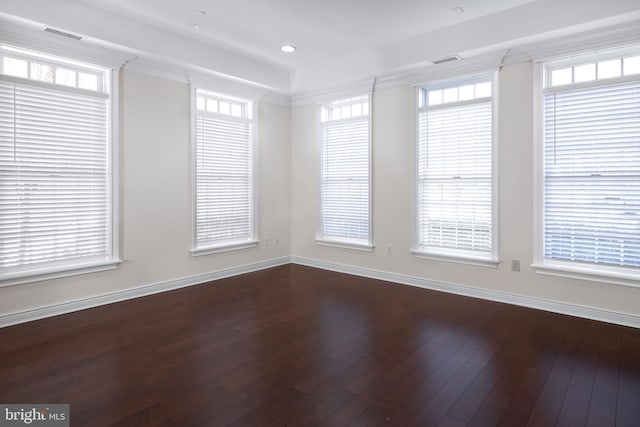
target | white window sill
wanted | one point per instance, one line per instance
(227, 247)
(591, 273)
(56, 272)
(460, 259)
(345, 244)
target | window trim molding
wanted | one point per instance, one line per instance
(321, 239)
(623, 276)
(112, 95)
(457, 258)
(345, 244)
(225, 247)
(39, 275)
(583, 271)
(453, 255)
(253, 241)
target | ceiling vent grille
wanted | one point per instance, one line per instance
(62, 33)
(446, 59)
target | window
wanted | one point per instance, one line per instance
(590, 219)
(455, 171)
(56, 180)
(224, 217)
(345, 171)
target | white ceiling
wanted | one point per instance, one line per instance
(320, 29)
(338, 41)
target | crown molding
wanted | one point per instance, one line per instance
(359, 87)
(28, 35)
(593, 40)
(276, 98)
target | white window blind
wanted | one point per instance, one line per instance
(345, 200)
(55, 192)
(224, 200)
(592, 170)
(455, 177)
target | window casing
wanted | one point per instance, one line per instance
(345, 183)
(589, 160)
(223, 173)
(57, 179)
(456, 214)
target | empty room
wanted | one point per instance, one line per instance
(329, 213)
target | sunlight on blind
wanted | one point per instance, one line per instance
(224, 172)
(53, 176)
(592, 175)
(455, 169)
(345, 171)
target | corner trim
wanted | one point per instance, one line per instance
(486, 294)
(137, 292)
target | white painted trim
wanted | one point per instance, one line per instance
(29, 35)
(486, 294)
(509, 54)
(344, 242)
(470, 291)
(57, 272)
(201, 79)
(594, 273)
(331, 94)
(137, 292)
(492, 259)
(159, 70)
(114, 170)
(224, 248)
(367, 247)
(597, 39)
(276, 98)
(538, 163)
(468, 260)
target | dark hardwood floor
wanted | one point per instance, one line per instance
(299, 346)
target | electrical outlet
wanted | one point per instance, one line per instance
(515, 265)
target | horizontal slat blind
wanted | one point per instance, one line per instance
(455, 178)
(54, 206)
(345, 179)
(224, 180)
(592, 175)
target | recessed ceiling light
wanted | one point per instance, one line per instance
(195, 26)
(201, 12)
(287, 48)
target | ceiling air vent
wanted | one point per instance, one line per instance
(62, 33)
(446, 59)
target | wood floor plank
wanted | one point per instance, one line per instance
(295, 345)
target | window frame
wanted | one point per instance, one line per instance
(108, 88)
(250, 109)
(331, 241)
(625, 276)
(473, 258)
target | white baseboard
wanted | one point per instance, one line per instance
(505, 297)
(141, 291)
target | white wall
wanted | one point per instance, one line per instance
(393, 205)
(155, 198)
(156, 209)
